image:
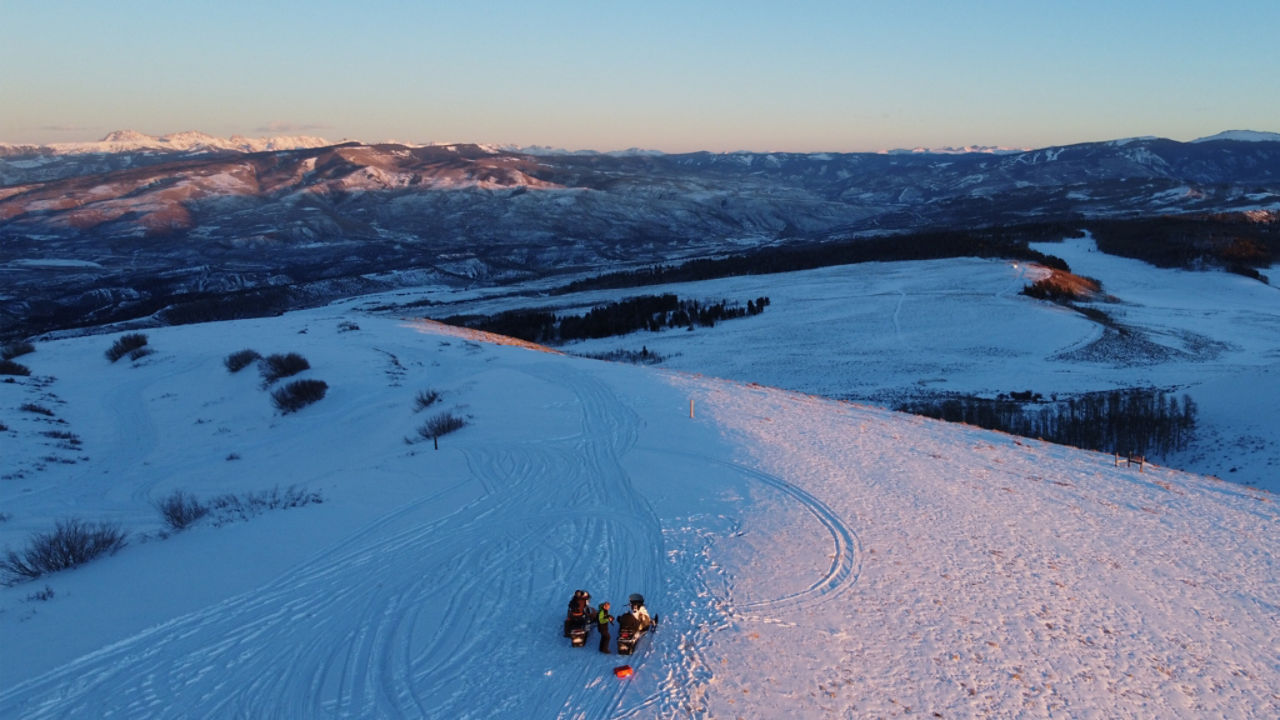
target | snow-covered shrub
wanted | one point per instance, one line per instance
(274, 367)
(442, 424)
(298, 394)
(71, 543)
(240, 360)
(9, 367)
(42, 595)
(425, 399)
(179, 510)
(14, 349)
(228, 508)
(37, 409)
(125, 345)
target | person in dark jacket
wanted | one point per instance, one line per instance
(580, 611)
(603, 618)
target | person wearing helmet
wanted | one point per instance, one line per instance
(640, 612)
(580, 611)
(636, 619)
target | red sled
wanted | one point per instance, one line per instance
(624, 671)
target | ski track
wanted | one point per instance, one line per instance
(365, 630)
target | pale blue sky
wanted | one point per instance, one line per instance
(804, 75)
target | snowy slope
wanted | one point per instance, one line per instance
(884, 332)
(810, 558)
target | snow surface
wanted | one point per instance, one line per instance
(809, 558)
(887, 332)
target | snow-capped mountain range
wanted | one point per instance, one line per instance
(191, 141)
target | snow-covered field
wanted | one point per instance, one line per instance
(883, 332)
(809, 557)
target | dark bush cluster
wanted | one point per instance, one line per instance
(298, 394)
(179, 510)
(9, 367)
(440, 425)
(16, 349)
(71, 543)
(240, 360)
(274, 367)
(643, 356)
(126, 345)
(425, 399)
(37, 409)
(228, 508)
(1136, 421)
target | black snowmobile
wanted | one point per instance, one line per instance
(579, 619)
(631, 627)
(578, 634)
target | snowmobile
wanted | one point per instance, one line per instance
(580, 614)
(629, 631)
(578, 634)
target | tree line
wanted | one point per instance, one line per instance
(645, 312)
(1137, 421)
(1231, 241)
(998, 242)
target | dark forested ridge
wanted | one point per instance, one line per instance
(644, 312)
(1236, 242)
(998, 242)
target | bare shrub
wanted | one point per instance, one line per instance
(347, 326)
(442, 424)
(180, 510)
(140, 353)
(71, 543)
(274, 367)
(229, 508)
(125, 345)
(298, 394)
(240, 360)
(425, 399)
(37, 409)
(15, 349)
(42, 595)
(9, 367)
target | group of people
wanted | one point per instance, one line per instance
(581, 614)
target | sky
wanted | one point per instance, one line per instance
(803, 76)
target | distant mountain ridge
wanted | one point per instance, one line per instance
(156, 223)
(128, 141)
